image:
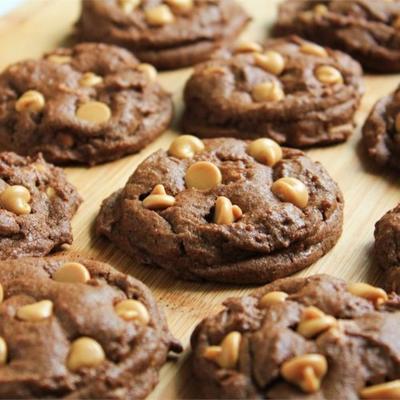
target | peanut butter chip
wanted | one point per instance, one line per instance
(248, 47)
(72, 272)
(59, 59)
(94, 111)
(267, 91)
(291, 190)
(227, 354)
(320, 9)
(159, 15)
(133, 310)
(314, 322)
(85, 352)
(148, 70)
(89, 79)
(203, 175)
(388, 390)
(397, 123)
(31, 101)
(180, 5)
(127, 6)
(272, 298)
(185, 146)
(328, 75)
(313, 49)
(377, 295)
(158, 199)
(3, 351)
(1, 293)
(36, 311)
(225, 212)
(265, 151)
(305, 371)
(271, 61)
(51, 193)
(16, 199)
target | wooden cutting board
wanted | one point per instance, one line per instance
(41, 25)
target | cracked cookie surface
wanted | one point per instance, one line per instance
(89, 104)
(77, 328)
(216, 213)
(314, 338)
(292, 91)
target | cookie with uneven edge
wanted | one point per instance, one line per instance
(381, 131)
(169, 34)
(77, 328)
(37, 204)
(368, 30)
(89, 104)
(290, 90)
(387, 247)
(314, 338)
(225, 210)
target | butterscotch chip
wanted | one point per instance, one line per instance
(132, 310)
(159, 15)
(3, 351)
(328, 75)
(271, 61)
(203, 175)
(313, 49)
(267, 91)
(180, 5)
(36, 312)
(16, 199)
(248, 47)
(225, 212)
(387, 390)
(59, 59)
(72, 272)
(396, 23)
(149, 71)
(227, 354)
(51, 193)
(320, 9)
(185, 146)
(291, 190)
(94, 111)
(369, 292)
(128, 5)
(265, 151)
(315, 326)
(271, 298)
(32, 101)
(1, 293)
(158, 199)
(90, 79)
(85, 353)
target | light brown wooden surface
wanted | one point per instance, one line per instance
(41, 25)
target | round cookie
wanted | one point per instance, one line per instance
(314, 338)
(77, 328)
(381, 131)
(169, 34)
(292, 91)
(89, 104)
(37, 204)
(209, 210)
(387, 247)
(368, 30)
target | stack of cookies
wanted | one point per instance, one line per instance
(232, 200)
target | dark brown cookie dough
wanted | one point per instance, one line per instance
(168, 34)
(301, 338)
(292, 91)
(368, 30)
(387, 247)
(68, 331)
(221, 215)
(37, 204)
(88, 104)
(381, 131)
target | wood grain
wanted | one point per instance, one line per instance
(41, 25)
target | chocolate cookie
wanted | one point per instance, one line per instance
(37, 204)
(76, 328)
(88, 104)
(292, 91)
(368, 30)
(387, 247)
(381, 131)
(168, 34)
(225, 210)
(297, 338)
